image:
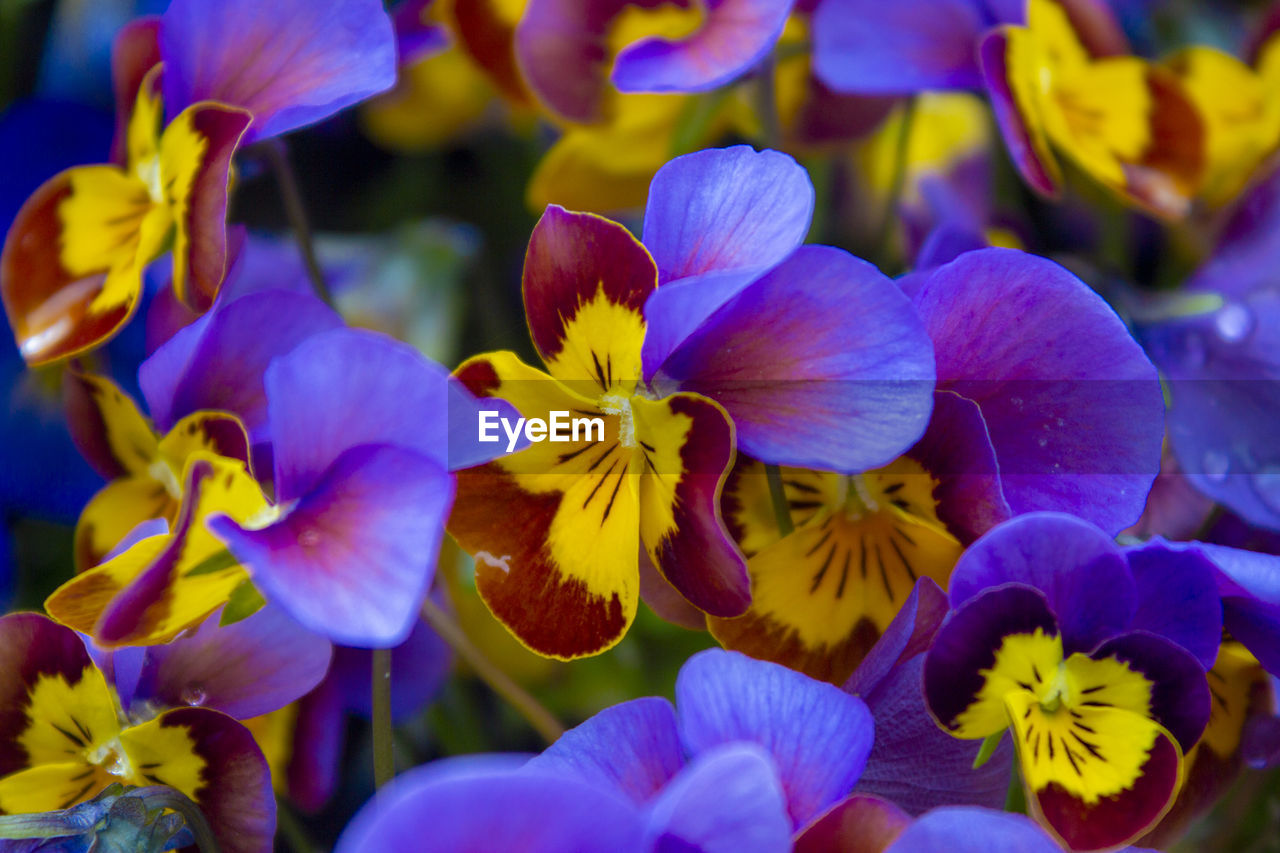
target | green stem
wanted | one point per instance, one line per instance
(295, 834)
(781, 510)
(542, 720)
(177, 801)
(767, 104)
(296, 211)
(384, 759)
(898, 182)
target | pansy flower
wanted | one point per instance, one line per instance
(65, 738)
(1032, 366)
(1093, 658)
(348, 543)
(715, 330)
(235, 72)
(1125, 123)
(71, 271)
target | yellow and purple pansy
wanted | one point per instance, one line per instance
(717, 331)
(1024, 386)
(65, 737)
(1095, 660)
(195, 85)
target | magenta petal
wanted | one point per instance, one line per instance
(818, 735)
(1052, 369)
(250, 668)
(353, 558)
(562, 47)
(821, 363)
(289, 62)
(857, 824)
(734, 37)
(632, 748)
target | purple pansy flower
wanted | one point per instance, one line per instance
(1094, 657)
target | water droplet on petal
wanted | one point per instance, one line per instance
(1216, 465)
(309, 537)
(193, 694)
(1233, 322)
(1266, 482)
(1043, 442)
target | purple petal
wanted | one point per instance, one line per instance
(974, 830)
(1081, 571)
(218, 361)
(1026, 145)
(726, 209)
(419, 667)
(474, 810)
(733, 38)
(902, 47)
(1257, 625)
(910, 633)
(968, 641)
(821, 364)
(465, 449)
(916, 764)
(416, 39)
(1179, 692)
(322, 726)
(947, 242)
(353, 559)
(1177, 598)
(349, 387)
(289, 62)
(632, 748)
(250, 668)
(818, 735)
(1052, 368)
(956, 451)
(728, 800)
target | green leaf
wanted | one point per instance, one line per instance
(224, 559)
(988, 747)
(245, 600)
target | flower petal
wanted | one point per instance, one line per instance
(687, 444)
(807, 378)
(1177, 598)
(735, 35)
(961, 829)
(288, 63)
(252, 667)
(632, 747)
(1003, 57)
(586, 280)
(1051, 367)
(353, 559)
(1082, 573)
(728, 799)
(856, 824)
(818, 735)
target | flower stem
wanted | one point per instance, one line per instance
(781, 510)
(384, 760)
(296, 211)
(542, 720)
(898, 181)
(767, 103)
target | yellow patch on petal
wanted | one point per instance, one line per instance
(1233, 679)
(79, 602)
(143, 134)
(601, 342)
(115, 511)
(182, 151)
(659, 436)
(66, 721)
(824, 594)
(50, 787)
(274, 735)
(1093, 745)
(1024, 662)
(130, 437)
(163, 755)
(1241, 112)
